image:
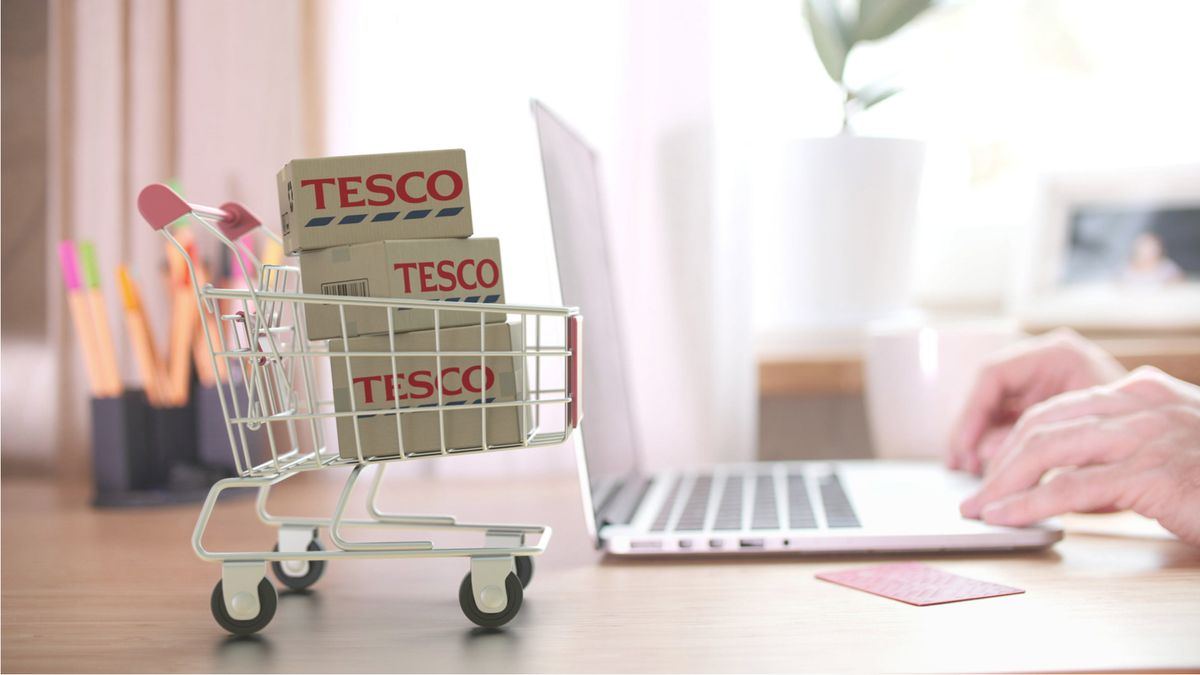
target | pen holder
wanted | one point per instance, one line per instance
(174, 438)
(144, 455)
(120, 446)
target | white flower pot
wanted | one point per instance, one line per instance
(849, 213)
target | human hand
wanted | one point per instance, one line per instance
(1133, 444)
(1015, 379)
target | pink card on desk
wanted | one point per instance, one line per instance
(916, 584)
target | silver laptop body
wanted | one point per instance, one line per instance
(843, 506)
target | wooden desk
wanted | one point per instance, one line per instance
(100, 591)
(838, 369)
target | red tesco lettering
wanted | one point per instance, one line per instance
(413, 187)
(421, 385)
(467, 274)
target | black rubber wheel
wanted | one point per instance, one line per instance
(466, 600)
(268, 600)
(524, 569)
(315, 569)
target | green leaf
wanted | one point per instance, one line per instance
(829, 34)
(878, 19)
(874, 93)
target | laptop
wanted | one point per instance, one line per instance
(749, 508)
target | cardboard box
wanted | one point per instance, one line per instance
(416, 387)
(457, 271)
(334, 201)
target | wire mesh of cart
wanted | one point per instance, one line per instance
(510, 378)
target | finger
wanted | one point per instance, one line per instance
(985, 396)
(1093, 402)
(1006, 373)
(989, 446)
(1144, 388)
(1078, 490)
(1077, 442)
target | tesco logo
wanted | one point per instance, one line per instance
(451, 275)
(420, 384)
(382, 189)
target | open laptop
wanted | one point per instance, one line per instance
(842, 506)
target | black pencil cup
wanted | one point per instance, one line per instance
(144, 455)
(121, 446)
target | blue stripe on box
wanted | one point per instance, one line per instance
(319, 222)
(418, 214)
(452, 211)
(492, 298)
(355, 218)
(386, 215)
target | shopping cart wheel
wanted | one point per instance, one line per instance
(299, 574)
(466, 599)
(268, 600)
(524, 569)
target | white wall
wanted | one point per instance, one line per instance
(633, 79)
(1000, 89)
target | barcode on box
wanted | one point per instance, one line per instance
(355, 288)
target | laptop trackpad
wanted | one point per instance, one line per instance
(908, 497)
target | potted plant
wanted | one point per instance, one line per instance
(851, 200)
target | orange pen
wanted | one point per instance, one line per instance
(139, 336)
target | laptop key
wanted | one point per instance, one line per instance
(765, 517)
(838, 511)
(696, 507)
(800, 510)
(664, 511)
(729, 511)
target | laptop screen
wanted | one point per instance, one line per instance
(585, 276)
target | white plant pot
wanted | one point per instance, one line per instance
(849, 213)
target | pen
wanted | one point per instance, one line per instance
(139, 335)
(106, 352)
(81, 316)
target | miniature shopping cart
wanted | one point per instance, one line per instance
(276, 418)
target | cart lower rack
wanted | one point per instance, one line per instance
(507, 379)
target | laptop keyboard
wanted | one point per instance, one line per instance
(765, 514)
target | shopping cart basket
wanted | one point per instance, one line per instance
(276, 414)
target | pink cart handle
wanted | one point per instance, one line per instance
(161, 206)
(575, 369)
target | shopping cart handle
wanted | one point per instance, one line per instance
(161, 206)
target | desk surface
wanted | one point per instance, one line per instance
(789, 367)
(121, 590)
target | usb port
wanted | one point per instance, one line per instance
(645, 545)
(751, 543)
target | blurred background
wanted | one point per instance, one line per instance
(821, 218)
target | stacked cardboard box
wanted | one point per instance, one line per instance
(399, 226)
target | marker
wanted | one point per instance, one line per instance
(106, 352)
(139, 336)
(81, 316)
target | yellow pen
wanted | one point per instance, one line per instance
(139, 336)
